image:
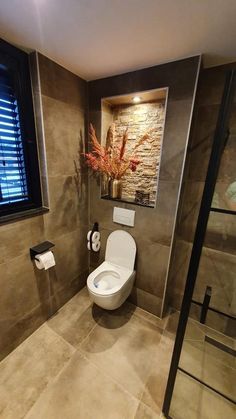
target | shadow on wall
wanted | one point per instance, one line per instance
(79, 165)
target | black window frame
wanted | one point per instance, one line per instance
(17, 61)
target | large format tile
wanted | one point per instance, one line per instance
(211, 365)
(217, 269)
(193, 400)
(19, 295)
(64, 132)
(10, 247)
(76, 318)
(144, 412)
(71, 255)
(68, 205)
(154, 391)
(151, 318)
(27, 371)
(82, 391)
(146, 301)
(175, 138)
(152, 261)
(13, 334)
(59, 83)
(123, 346)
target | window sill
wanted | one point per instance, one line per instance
(23, 214)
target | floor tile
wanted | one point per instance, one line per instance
(82, 391)
(154, 391)
(211, 365)
(123, 347)
(172, 323)
(197, 331)
(156, 321)
(76, 318)
(27, 371)
(192, 400)
(144, 412)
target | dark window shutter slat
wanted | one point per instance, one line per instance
(8, 113)
(6, 135)
(6, 97)
(8, 119)
(8, 107)
(13, 185)
(10, 150)
(12, 129)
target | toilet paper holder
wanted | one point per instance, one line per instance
(40, 248)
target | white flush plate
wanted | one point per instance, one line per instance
(123, 216)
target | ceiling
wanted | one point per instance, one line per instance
(98, 38)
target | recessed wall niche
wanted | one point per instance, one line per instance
(142, 114)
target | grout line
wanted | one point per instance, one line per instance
(50, 383)
(22, 343)
(107, 375)
(89, 333)
(62, 338)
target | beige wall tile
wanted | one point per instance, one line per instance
(30, 296)
(147, 301)
(61, 84)
(64, 134)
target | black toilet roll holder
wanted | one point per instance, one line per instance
(40, 248)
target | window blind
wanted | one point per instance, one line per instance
(13, 183)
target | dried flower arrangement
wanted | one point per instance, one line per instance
(112, 159)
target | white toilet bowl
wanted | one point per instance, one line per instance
(111, 283)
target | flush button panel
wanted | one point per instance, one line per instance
(123, 216)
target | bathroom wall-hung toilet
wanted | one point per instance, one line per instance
(111, 283)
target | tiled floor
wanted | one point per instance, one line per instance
(86, 363)
(192, 400)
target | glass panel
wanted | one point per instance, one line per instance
(217, 267)
(205, 384)
(209, 356)
(192, 400)
(208, 352)
(225, 190)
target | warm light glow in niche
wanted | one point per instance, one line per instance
(136, 99)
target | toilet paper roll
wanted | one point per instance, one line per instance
(45, 260)
(88, 235)
(96, 246)
(95, 236)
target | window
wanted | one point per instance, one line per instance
(19, 169)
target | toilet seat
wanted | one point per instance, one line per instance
(113, 276)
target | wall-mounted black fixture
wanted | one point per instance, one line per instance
(205, 304)
(40, 248)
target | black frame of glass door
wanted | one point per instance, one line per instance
(219, 142)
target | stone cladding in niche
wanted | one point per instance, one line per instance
(139, 119)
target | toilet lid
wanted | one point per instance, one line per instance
(121, 249)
